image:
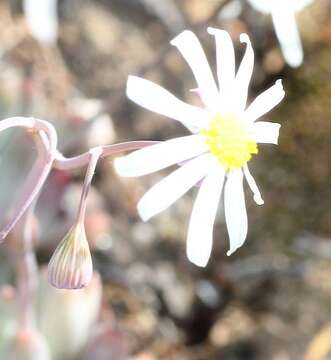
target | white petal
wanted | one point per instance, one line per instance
(235, 210)
(265, 132)
(160, 156)
(155, 98)
(41, 17)
(266, 6)
(200, 230)
(189, 46)
(262, 5)
(252, 184)
(230, 11)
(172, 187)
(225, 63)
(300, 4)
(244, 74)
(288, 35)
(265, 102)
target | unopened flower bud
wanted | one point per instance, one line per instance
(71, 264)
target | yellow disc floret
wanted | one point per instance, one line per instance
(229, 140)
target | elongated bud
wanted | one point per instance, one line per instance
(71, 264)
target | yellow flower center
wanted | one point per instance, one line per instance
(229, 140)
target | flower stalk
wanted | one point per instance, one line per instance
(71, 264)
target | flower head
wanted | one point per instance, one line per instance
(283, 17)
(71, 264)
(229, 140)
(225, 137)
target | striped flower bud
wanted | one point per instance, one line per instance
(71, 264)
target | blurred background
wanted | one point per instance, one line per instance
(272, 298)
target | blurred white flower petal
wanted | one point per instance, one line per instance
(287, 31)
(301, 4)
(283, 17)
(265, 6)
(42, 19)
(262, 5)
(231, 10)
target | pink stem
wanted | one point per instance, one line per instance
(63, 163)
(94, 157)
(33, 124)
(48, 158)
(41, 169)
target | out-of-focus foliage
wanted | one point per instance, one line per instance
(66, 318)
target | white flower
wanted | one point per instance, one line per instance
(225, 135)
(283, 17)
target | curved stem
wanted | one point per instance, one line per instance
(33, 124)
(48, 158)
(41, 169)
(63, 163)
(17, 122)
